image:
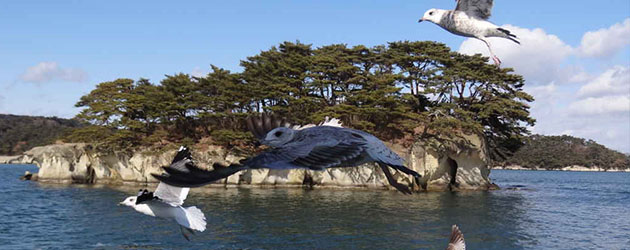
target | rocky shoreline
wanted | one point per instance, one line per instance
(14, 159)
(81, 163)
(568, 168)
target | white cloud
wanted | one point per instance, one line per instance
(545, 105)
(610, 130)
(50, 71)
(544, 91)
(538, 58)
(601, 116)
(198, 72)
(599, 110)
(601, 106)
(541, 57)
(608, 93)
(614, 81)
(605, 42)
(595, 106)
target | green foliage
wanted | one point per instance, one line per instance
(388, 90)
(21, 133)
(90, 134)
(483, 99)
(230, 137)
(554, 152)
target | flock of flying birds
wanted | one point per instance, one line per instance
(327, 145)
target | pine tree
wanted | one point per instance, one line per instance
(399, 91)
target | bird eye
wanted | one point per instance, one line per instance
(431, 13)
(278, 134)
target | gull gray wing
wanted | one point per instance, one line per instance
(384, 154)
(318, 158)
(172, 195)
(378, 151)
(314, 148)
(476, 8)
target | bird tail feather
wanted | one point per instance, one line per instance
(509, 35)
(196, 218)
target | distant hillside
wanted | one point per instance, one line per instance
(21, 133)
(554, 152)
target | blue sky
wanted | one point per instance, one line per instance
(53, 52)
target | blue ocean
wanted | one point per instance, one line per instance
(533, 210)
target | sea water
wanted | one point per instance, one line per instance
(534, 210)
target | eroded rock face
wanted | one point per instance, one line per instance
(468, 165)
(79, 163)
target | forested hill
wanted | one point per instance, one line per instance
(20, 133)
(399, 91)
(554, 152)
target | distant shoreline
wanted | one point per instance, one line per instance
(565, 169)
(9, 159)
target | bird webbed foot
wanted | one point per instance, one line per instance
(181, 229)
(497, 61)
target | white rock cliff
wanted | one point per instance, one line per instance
(80, 163)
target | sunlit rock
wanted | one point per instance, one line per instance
(443, 167)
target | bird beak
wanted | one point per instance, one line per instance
(264, 142)
(120, 204)
(421, 19)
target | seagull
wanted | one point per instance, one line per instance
(457, 239)
(315, 148)
(166, 202)
(469, 19)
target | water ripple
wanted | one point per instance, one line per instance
(553, 210)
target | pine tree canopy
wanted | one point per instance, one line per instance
(400, 92)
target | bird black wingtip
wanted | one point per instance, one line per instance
(158, 176)
(165, 178)
(217, 165)
(182, 153)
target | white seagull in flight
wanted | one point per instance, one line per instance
(469, 19)
(166, 202)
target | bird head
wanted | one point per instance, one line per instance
(432, 15)
(278, 136)
(129, 201)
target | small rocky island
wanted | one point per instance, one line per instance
(463, 169)
(450, 115)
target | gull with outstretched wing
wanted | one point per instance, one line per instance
(470, 19)
(166, 201)
(315, 148)
(456, 242)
